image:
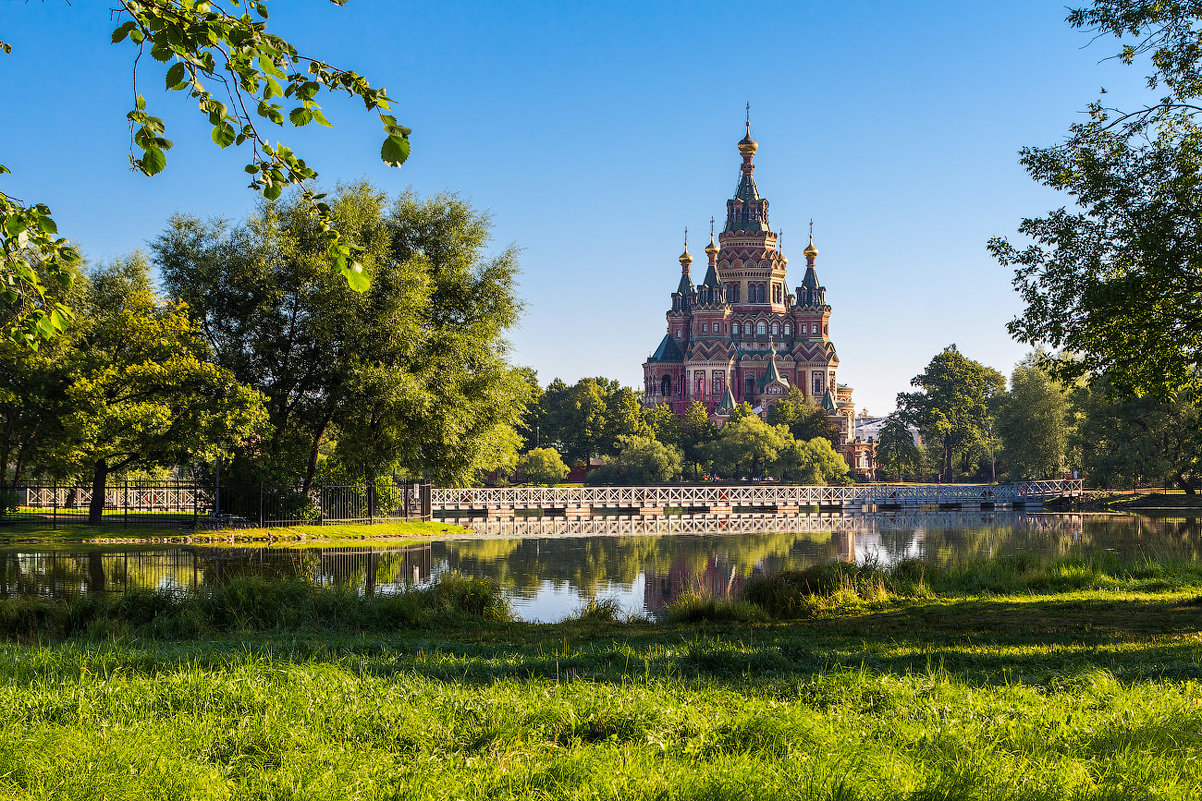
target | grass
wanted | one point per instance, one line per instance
(282, 536)
(1010, 678)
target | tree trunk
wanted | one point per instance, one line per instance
(311, 468)
(96, 506)
(95, 572)
(1181, 481)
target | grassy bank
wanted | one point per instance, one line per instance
(282, 536)
(1005, 679)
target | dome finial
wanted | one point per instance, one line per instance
(685, 258)
(711, 249)
(811, 251)
(747, 145)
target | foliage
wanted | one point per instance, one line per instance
(895, 448)
(1114, 282)
(747, 447)
(209, 53)
(952, 407)
(639, 461)
(140, 392)
(804, 419)
(587, 418)
(1032, 421)
(410, 374)
(542, 466)
(663, 424)
(812, 463)
(696, 431)
(1122, 441)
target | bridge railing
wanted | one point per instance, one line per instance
(746, 495)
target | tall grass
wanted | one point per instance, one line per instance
(252, 603)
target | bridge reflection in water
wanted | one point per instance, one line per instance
(550, 567)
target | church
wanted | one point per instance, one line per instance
(741, 335)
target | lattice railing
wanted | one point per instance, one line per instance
(710, 496)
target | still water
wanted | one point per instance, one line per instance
(549, 570)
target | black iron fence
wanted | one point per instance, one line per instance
(198, 505)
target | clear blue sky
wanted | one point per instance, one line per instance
(593, 133)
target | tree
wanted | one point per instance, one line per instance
(813, 463)
(747, 447)
(140, 390)
(663, 424)
(1032, 421)
(639, 460)
(1122, 441)
(542, 466)
(696, 432)
(953, 406)
(410, 374)
(804, 419)
(1115, 281)
(895, 448)
(215, 56)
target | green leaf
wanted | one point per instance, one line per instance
(273, 191)
(223, 135)
(356, 279)
(176, 76)
(300, 116)
(394, 151)
(154, 161)
(123, 30)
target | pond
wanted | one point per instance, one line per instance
(549, 571)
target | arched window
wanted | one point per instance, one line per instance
(748, 387)
(705, 328)
(805, 329)
(788, 329)
(760, 328)
(775, 329)
(746, 329)
(665, 386)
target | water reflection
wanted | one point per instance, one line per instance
(550, 568)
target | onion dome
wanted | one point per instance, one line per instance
(685, 258)
(810, 250)
(747, 145)
(711, 249)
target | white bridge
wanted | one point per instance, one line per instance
(717, 499)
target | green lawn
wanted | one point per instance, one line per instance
(1078, 680)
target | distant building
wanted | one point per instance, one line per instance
(741, 335)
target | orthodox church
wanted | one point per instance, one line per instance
(741, 335)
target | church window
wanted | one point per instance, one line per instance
(717, 383)
(748, 387)
(775, 329)
(705, 328)
(788, 329)
(817, 383)
(678, 334)
(665, 386)
(746, 329)
(760, 328)
(699, 383)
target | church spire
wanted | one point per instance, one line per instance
(747, 211)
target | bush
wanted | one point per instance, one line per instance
(8, 503)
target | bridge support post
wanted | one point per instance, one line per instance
(651, 511)
(498, 514)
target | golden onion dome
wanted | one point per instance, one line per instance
(686, 258)
(747, 145)
(711, 248)
(810, 250)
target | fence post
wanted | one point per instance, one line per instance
(371, 503)
(54, 505)
(126, 499)
(321, 502)
(260, 504)
(217, 488)
(195, 501)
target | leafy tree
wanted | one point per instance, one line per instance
(895, 448)
(1114, 279)
(1123, 441)
(140, 390)
(747, 447)
(953, 406)
(812, 463)
(530, 427)
(410, 374)
(663, 424)
(1032, 421)
(804, 419)
(696, 431)
(639, 461)
(542, 466)
(214, 55)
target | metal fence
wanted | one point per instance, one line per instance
(192, 504)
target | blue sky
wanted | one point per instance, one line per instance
(593, 133)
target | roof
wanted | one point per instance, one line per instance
(728, 403)
(828, 402)
(668, 351)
